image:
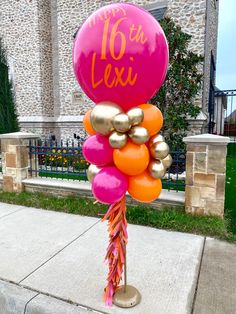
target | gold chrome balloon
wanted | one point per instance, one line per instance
(159, 150)
(121, 123)
(135, 115)
(139, 135)
(156, 169)
(118, 140)
(102, 115)
(167, 161)
(92, 171)
(156, 138)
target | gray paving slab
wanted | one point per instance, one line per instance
(8, 209)
(31, 236)
(13, 299)
(216, 293)
(162, 265)
(43, 304)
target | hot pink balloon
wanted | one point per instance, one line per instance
(97, 150)
(121, 55)
(109, 185)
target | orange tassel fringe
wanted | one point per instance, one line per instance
(118, 238)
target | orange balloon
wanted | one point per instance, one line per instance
(87, 124)
(153, 119)
(144, 188)
(131, 159)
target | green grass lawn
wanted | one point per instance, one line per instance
(65, 176)
(230, 193)
(169, 218)
(178, 185)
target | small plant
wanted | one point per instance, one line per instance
(62, 157)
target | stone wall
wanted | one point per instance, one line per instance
(15, 161)
(39, 39)
(45, 50)
(19, 30)
(83, 189)
(25, 29)
(190, 15)
(205, 174)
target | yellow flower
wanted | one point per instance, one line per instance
(53, 150)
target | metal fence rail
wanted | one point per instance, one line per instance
(228, 124)
(175, 176)
(64, 160)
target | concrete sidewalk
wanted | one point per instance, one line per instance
(53, 263)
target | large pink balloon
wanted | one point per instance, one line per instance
(121, 55)
(97, 150)
(109, 185)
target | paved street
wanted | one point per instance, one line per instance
(53, 263)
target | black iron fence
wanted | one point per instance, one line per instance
(211, 101)
(53, 159)
(64, 160)
(175, 176)
(222, 117)
(230, 121)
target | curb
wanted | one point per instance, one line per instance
(15, 299)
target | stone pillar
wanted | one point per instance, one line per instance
(15, 159)
(205, 174)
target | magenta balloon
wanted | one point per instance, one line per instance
(109, 185)
(97, 150)
(121, 55)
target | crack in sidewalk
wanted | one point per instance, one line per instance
(18, 210)
(198, 276)
(68, 244)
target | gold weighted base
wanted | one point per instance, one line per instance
(126, 298)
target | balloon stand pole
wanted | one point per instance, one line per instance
(126, 296)
(123, 296)
(125, 273)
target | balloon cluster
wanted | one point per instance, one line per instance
(120, 59)
(125, 151)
